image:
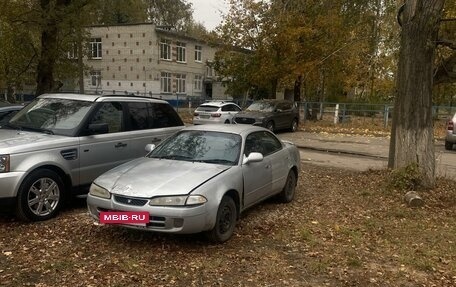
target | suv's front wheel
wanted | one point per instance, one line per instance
(40, 195)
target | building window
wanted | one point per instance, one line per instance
(95, 48)
(198, 83)
(165, 82)
(95, 78)
(165, 49)
(198, 53)
(180, 83)
(181, 52)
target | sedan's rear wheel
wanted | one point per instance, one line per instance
(40, 196)
(288, 190)
(448, 145)
(225, 221)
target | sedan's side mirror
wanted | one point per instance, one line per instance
(150, 147)
(253, 157)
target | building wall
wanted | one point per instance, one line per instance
(130, 63)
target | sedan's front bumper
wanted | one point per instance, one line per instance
(180, 220)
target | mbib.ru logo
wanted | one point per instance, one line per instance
(124, 217)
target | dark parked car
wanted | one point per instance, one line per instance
(271, 114)
(7, 111)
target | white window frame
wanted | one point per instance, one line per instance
(198, 83)
(165, 82)
(165, 49)
(181, 52)
(180, 83)
(95, 48)
(198, 53)
(95, 78)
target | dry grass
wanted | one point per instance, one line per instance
(344, 229)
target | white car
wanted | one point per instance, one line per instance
(215, 112)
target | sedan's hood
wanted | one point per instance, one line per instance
(148, 177)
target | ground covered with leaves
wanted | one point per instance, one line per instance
(344, 228)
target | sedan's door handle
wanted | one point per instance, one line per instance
(267, 166)
(156, 140)
(118, 145)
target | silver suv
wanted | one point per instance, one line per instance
(59, 143)
(450, 138)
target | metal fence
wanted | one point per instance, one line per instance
(339, 113)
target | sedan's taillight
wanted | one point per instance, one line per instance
(195, 114)
(450, 126)
(216, 115)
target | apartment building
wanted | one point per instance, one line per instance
(148, 60)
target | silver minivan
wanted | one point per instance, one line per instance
(59, 143)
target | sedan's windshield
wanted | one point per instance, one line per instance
(201, 146)
(261, 107)
(55, 116)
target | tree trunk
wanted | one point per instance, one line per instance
(297, 89)
(49, 45)
(412, 139)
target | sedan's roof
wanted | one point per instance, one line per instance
(235, 128)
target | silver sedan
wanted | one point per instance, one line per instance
(199, 180)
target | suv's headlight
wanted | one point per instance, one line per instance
(4, 163)
(98, 191)
(181, 200)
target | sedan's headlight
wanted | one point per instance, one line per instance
(180, 200)
(4, 163)
(99, 191)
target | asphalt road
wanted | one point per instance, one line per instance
(359, 152)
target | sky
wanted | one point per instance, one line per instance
(208, 12)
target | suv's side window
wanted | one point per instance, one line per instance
(139, 116)
(163, 115)
(110, 113)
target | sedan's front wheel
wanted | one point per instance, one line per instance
(225, 221)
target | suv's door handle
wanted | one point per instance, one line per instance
(120, 145)
(156, 140)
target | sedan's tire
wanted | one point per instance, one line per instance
(40, 196)
(225, 221)
(270, 126)
(227, 122)
(294, 125)
(448, 145)
(289, 189)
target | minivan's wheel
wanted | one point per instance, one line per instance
(227, 122)
(448, 145)
(270, 126)
(288, 190)
(225, 221)
(294, 125)
(40, 196)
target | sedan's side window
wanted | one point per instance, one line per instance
(270, 143)
(262, 142)
(110, 113)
